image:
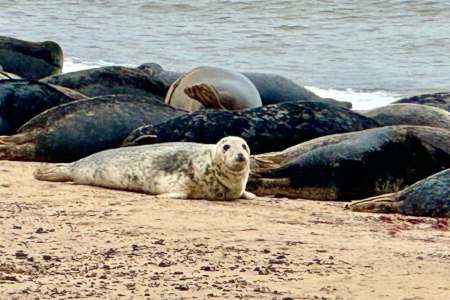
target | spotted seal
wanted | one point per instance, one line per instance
(267, 128)
(30, 60)
(441, 100)
(173, 170)
(21, 100)
(111, 80)
(352, 165)
(212, 87)
(76, 129)
(429, 197)
(410, 114)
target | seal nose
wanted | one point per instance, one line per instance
(240, 157)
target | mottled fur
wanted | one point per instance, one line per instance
(172, 170)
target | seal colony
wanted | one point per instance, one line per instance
(325, 151)
(174, 170)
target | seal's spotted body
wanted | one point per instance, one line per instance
(173, 170)
(267, 128)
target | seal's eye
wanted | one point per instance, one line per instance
(226, 147)
(244, 146)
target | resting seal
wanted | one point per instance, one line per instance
(211, 87)
(266, 128)
(378, 161)
(410, 114)
(441, 100)
(30, 60)
(429, 197)
(173, 170)
(77, 129)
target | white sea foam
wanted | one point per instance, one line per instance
(360, 99)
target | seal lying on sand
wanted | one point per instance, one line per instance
(429, 197)
(272, 88)
(30, 60)
(212, 87)
(173, 170)
(111, 80)
(441, 100)
(410, 114)
(267, 128)
(77, 129)
(352, 165)
(21, 100)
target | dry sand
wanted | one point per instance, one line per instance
(60, 241)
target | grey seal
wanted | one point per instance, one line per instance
(173, 170)
(212, 87)
(441, 100)
(429, 197)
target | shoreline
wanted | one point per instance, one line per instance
(67, 240)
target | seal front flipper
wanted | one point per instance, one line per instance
(386, 203)
(206, 94)
(248, 196)
(173, 195)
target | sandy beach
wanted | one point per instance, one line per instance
(61, 241)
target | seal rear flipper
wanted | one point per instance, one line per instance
(54, 172)
(206, 94)
(386, 203)
(142, 140)
(17, 147)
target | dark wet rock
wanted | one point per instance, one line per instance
(268, 128)
(30, 60)
(429, 197)
(441, 100)
(74, 130)
(21, 100)
(352, 165)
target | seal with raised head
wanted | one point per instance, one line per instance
(76, 129)
(30, 60)
(266, 128)
(21, 100)
(352, 165)
(429, 197)
(212, 87)
(111, 81)
(410, 114)
(173, 170)
(441, 100)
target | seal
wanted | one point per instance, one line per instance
(410, 114)
(272, 88)
(267, 128)
(429, 197)
(30, 60)
(111, 80)
(5, 75)
(212, 87)
(440, 100)
(173, 170)
(352, 165)
(76, 129)
(21, 100)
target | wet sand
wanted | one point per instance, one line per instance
(61, 240)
